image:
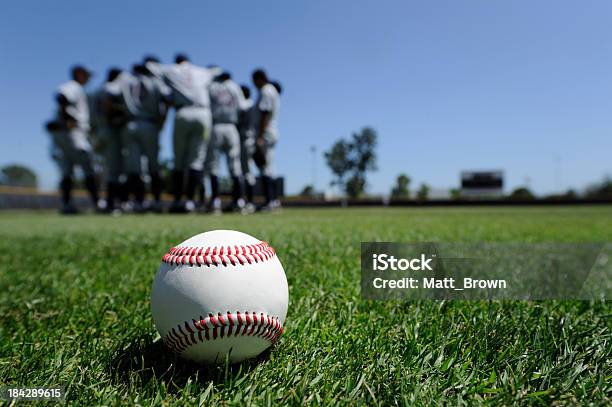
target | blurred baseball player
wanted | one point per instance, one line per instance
(70, 132)
(124, 93)
(143, 99)
(107, 121)
(189, 96)
(246, 127)
(155, 96)
(266, 134)
(226, 102)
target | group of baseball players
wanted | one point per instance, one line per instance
(214, 118)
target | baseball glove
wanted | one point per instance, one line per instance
(54, 125)
(259, 157)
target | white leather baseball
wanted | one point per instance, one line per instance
(220, 294)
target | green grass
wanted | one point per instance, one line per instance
(74, 311)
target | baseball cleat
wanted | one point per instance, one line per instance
(156, 207)
(216, 208)
(190, 206)
(265, 208)
(69, 209)
(249, 208)
(177, 207)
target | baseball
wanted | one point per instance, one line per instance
(220, 295)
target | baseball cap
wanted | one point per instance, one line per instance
(80, 68)
(150, 58)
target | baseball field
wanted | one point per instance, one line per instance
(74, 310)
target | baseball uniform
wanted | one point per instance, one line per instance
(143, 99)
(188, 93)
(226, 100)
(72, 139)
(107, 137)
(70, 131)
(188, 86)
(246, 128)
(268, 101)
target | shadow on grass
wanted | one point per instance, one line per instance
(146, 362)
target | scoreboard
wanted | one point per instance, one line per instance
(482, 184)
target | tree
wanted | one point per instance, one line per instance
(363, 154)
(16, 175)
(602, 190)
(308, 191)
(401, 190)
(355, 157)
(521, 194)
(570, 194)
(423, 192)
(355, 186)
(363, 159)
(337, 159)
(455, 194)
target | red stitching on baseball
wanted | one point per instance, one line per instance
(215, 256)
(190, 333)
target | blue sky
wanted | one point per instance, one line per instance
(449, 85)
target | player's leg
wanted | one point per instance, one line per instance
(179, 147)
(266, 180)
(271, 174)
(133, 166)
(212, 167)
(194, 173)
(80, 154)
(150, 143)
(67, 168)
(85, 161)
(111, 153)
(198, 138)
(232, 148)
(247, 173)
(60, 156)
(201, 191)
(246, 161)
(267, 174)
(123, 190)
(66, 194)
(201, 187)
